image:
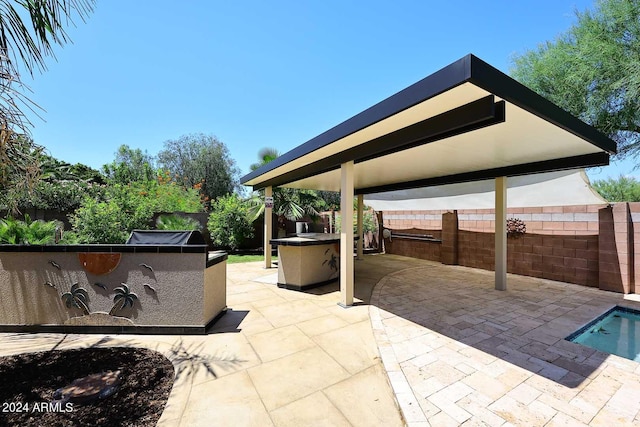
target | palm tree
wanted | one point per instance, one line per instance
(23, 45)
(265, 155)
(77, 297)
(48, 18)
(124, 298)
(290, 203)
(26, 46)
(177, 222)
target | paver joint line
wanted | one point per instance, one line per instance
(522, 330)
(454, 349)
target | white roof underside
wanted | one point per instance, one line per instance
(562, 188)
(439, 130)
(523, 138)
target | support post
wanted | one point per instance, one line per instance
(268, 228)
(501, 233)
(346, 234)
(360, 219)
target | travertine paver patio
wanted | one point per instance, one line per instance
(280, 357)
(458, 352)
(455, 350)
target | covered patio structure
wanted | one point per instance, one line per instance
(466, 122)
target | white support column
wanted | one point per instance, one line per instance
(360, 219)
(501, 233)
(346, 234)
(268, 228)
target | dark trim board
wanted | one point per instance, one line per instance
(447, 78)
(468, 69)
(136, 330)
(494, 81)
(587, 160)
(106, 248)
(289, 242)
(472, 116)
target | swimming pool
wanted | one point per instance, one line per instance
(617, 332)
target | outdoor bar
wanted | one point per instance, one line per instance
(466, 122)
(132, 288)
(308, 260)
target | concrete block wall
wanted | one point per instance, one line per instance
(415, 249)
(568, 243)
(617, 250)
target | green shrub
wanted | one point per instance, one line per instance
(63, 196)
(177, 222)
(69, 238)
(621, 189)
(102, 222)
(28, 232)
(229, 223)
(368, 222)
(128, 207)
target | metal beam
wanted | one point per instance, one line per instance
(466, 118)
(565, 163)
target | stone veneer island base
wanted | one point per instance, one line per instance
(140, 289)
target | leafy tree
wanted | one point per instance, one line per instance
(128, 207)
(61, 186)
(229, 223)
(64, 196)
(30, 47)
(368, 222)
(19, 168)
(203, 162)
(130, 165)
(593, 71)
(294, 204)
(331, 200)
(623, 189)
(54, 170)
(289, 203)
(104, 222)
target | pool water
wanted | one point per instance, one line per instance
(617, 332)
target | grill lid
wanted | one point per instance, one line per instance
(161, 237)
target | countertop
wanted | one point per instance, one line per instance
(307, 239)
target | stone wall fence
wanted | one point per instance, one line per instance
(590, 245)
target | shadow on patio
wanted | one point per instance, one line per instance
(525, 325)
(458, 348)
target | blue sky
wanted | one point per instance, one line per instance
(262, 74)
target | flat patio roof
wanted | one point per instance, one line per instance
(465, 122)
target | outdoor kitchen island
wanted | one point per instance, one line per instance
(307, 260)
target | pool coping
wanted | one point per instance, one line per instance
(591, 323)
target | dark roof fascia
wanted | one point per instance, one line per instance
(441, 81)
(474, 115)
(566, 163)
(495, 81)
(467, 69)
